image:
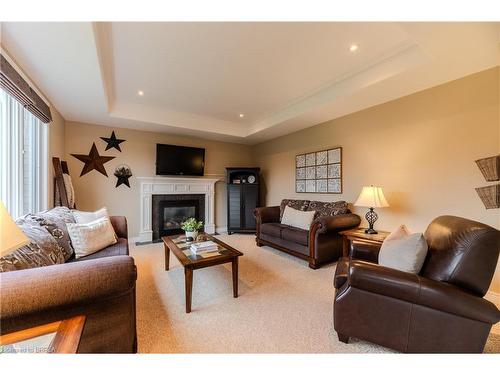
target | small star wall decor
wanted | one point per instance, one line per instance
(93, 161)
(123, 173)
(113, 142)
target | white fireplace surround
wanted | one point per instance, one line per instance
(175, 185)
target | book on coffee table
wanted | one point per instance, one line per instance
(205, 246)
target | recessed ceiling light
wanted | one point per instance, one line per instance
(242, 115)
(353, 47)
(140, 93)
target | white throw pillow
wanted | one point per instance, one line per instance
(403, 251)
(89, 238)
(297, 218)
(82, 217)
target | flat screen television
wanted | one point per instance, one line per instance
(179, 160)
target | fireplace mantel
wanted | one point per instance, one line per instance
(175, 185)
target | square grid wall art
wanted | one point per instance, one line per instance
(319, 172)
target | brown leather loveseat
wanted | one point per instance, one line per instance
(320, 244)
(440, 310)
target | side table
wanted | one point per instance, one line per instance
(62, 336)
(359, 234)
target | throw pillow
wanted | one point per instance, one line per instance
(297, 218)
(298, 204)
(82, 217)
(403, 251)
(328, 208)
(89, 238)
(43, 249)
(54, 220)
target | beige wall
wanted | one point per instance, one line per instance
(420, 149)
(56, 145)
(139, 152)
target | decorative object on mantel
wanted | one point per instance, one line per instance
(113, 142)
(371, 197)
(191, 227)
(93, 161)
(123, 173)
(490, 168)
(319, 172)
(490, 195)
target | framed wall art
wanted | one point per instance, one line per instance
(319, 172)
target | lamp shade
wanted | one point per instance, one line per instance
(371, 196)
(11, 237)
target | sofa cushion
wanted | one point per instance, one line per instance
(91, 237)
(403, 251)
(119, 248)
(272, 229)
(83, 217)
(297, 219)
(43, 249)
(288, 245)
(328, 208)
(298, 204)
(296, 235)
(54, 221)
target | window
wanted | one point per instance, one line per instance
(23, 158)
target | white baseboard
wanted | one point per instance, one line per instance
(493, 297)
(134, 239)
(221, 229)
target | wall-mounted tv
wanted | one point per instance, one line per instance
(179, 160)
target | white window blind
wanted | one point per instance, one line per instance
(23, 158)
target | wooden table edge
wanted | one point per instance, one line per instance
(187, 263)
(68, 334)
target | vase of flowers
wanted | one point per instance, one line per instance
(191, 227)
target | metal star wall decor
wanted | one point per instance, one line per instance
(93, 161)
(113, 142)
(123, 173)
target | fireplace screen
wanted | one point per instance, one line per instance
(170, 210)
(174, 216)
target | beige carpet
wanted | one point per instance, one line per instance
(283, 306)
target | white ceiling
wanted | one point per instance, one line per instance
(198, 77)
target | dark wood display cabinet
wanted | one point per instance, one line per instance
(242, 199)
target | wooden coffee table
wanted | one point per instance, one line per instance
(190, 261)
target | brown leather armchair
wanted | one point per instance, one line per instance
(440, 310)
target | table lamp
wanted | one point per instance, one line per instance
(371, 196)
(11, 237)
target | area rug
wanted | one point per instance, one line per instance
(283, 306)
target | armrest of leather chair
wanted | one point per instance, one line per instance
(341, 271)
(36, 290)
(267, 214)
(364, 251)
(119, 224)
(421, 291)
(334, 223)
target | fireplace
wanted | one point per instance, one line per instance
(170, 210)
(167, 187)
